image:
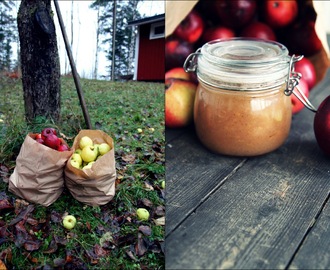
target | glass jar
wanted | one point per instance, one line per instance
(241, 108)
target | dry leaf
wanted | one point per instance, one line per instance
(160, 221)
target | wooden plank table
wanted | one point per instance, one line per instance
(266, 212)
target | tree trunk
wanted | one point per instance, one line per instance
(39, 59)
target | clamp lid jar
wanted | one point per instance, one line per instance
(241, 106)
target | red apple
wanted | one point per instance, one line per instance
(217, 32)
(47, 131)
(322, 125)
(38, 136)
(258, 30)
(176, 73)
(40, 140)
(234, 14)
(191, 28)
(176, 52)
(179, 103)
(302, 39)
(63, 147)
(307, 70)
(297, 106)
(279, 14)
(52, 141)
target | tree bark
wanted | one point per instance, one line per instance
(39, 59)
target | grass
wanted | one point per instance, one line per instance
(105, 237)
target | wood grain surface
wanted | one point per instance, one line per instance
(266, 212)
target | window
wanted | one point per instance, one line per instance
(157, 30)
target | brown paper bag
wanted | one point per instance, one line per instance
(38, 176)
(94, 186)
(176, 11)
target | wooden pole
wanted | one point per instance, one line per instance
(113, 40)
(73, 68)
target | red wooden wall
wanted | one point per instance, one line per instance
(151, 58)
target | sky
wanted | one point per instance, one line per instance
(84, 38)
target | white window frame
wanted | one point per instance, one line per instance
(153, 26)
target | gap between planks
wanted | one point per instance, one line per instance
(228, 176)
(309, 229)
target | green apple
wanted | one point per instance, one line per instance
(69, 222)
(89, 153)
(163, 184)
(77, 158)
(104, 148)
(97, 147)
(75, 163)
(142, 214)
(85, 141)
(78, 151)
(89, 165)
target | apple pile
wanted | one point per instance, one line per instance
(291, 23)
(48, 137)
(87, 153)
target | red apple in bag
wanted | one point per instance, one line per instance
(258, 30)
(191, 28)
(301, 39)
(176, 52)
(233, 13)
(307, 70)
(322, 125)
(218, 32)
(279, 14)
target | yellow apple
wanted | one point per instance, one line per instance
(89, 165)
(104, 148)
(75, 163)
(179, 103)
(142, 214)
(77, 151)
(77, 157)
(69, 222)
(89, 153)
(85, 141)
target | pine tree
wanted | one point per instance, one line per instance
(125, 36)
(8, 33)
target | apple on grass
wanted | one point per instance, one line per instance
(297, 106)
(179, 103)
(278, 14)
(322, 125)
(69, 221)
(142, 214)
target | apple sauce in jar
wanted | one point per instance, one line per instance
(241, 108)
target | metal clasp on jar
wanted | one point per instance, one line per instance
(190, 64)
(292, 83)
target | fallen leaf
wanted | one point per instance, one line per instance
(160, 210)
(23, 214)
(140, 247)
(131, 255)
(160, 221)
(146, 230)
(148, 186)
(129, 158)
